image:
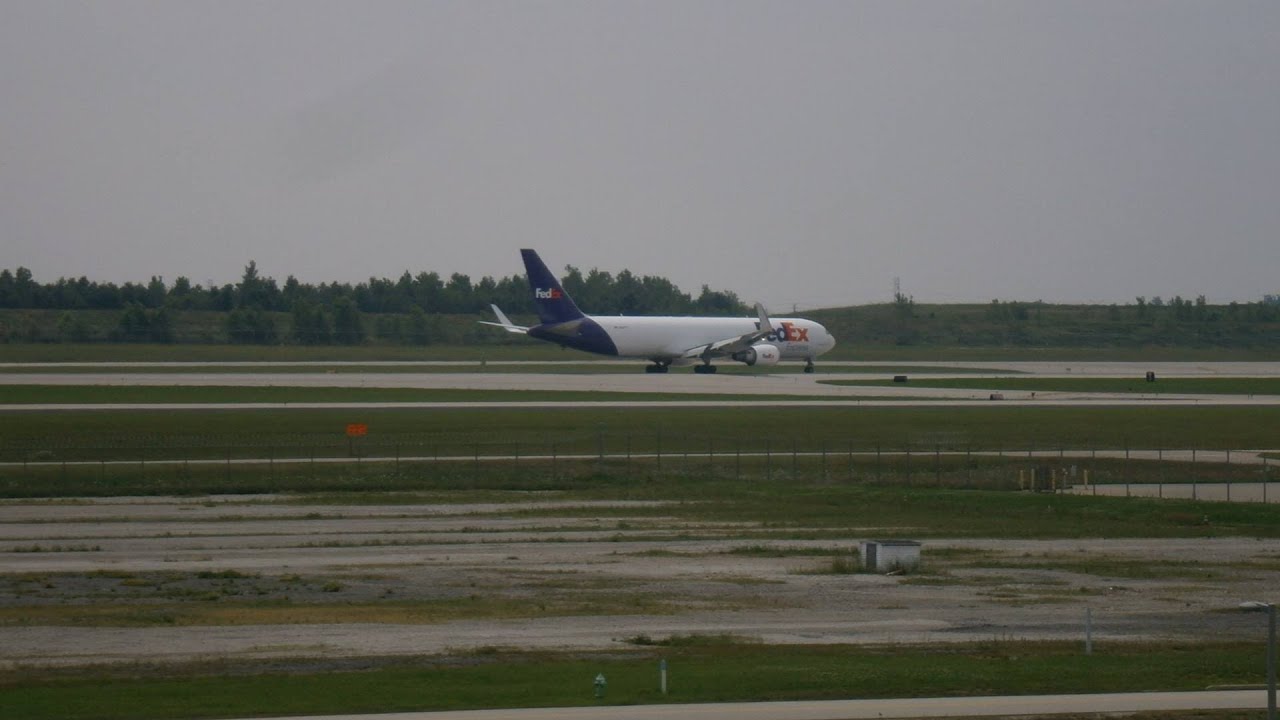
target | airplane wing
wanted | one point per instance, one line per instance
(504, 322)
(729, 346)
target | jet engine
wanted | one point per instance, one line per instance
(762, 354)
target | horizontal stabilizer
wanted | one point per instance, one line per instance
(504, 322)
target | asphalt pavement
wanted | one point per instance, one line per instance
(1026, 705)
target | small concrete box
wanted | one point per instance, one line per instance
(890, 555)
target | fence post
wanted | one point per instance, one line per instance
(1229, 475)
(795, 469)
(768, 459)
(877, 462)
(1088, 631)
(1128, 468)
(937, 464)
(659, 450)
(1160, 462)
(824, 460)
(737, 458)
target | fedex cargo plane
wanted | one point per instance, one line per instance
(666, 341)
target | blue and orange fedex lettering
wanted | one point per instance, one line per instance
(790, 333)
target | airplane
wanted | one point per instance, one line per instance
(665, 341)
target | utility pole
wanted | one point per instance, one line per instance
(1271, 661)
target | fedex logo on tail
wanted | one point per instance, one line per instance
(551, 294)
(790, 333)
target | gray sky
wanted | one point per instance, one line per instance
(793, 152)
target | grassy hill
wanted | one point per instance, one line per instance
(1250, 329)
(902, 330)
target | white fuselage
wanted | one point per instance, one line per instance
(671, 337)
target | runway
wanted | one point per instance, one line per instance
(774, 390)
(637, 404)
(1027, 705)
(926, 367)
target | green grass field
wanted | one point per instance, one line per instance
(787, 498)
(142, 352)
(700, 670)
(496, 430)
(531, 350)
(1176, 386)
(111, 394)
(119, 452)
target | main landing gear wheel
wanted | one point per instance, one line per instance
(657, 367)
(808, 367)
(704, 369)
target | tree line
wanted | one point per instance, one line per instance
(402, 310)
(1176, 322)
(600, 291)
(412, 310)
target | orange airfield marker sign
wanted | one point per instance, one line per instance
(357, 430)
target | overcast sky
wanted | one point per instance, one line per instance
(794, 152)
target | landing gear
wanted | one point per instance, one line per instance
(808, 366)
(657, 367)
(706, 369)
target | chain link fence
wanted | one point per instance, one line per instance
(301, 461)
